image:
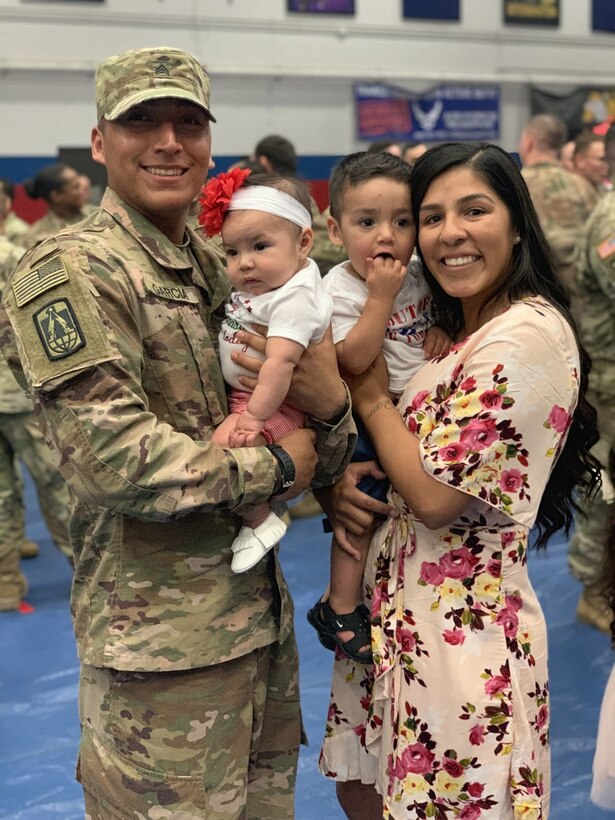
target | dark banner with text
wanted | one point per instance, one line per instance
(434, 10)
(603, 15)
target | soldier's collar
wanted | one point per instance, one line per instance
(152, 240)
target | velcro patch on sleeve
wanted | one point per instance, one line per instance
(38, 280)
(60, 332)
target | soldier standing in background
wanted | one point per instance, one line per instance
(560, 198)
(189, 699)
(21, 440)
(14, 227)
(589, 159)
(61, 189)
(596, 287)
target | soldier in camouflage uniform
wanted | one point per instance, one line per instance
(561, 199)
(189, 687)
(59, 186)
(21, 439)
(14, 227)
(596, 285)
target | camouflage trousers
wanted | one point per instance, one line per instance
(218, 742)
(21, 440)
(587, 547)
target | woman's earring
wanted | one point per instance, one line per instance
(516, 240)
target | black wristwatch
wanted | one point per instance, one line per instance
(286, 474)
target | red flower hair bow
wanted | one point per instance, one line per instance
(215, 198)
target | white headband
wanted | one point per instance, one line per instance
(271, 201)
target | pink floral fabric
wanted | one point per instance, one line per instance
(453, 719)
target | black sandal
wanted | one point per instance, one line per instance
(328, 623)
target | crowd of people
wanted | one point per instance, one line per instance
(458, 317)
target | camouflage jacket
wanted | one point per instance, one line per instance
(595, 263)
(563, 204)
(116, 331)
(324, 252)
(46, 226)
(14, 227)
(12, 397)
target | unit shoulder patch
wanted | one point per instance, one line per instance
(58, 329)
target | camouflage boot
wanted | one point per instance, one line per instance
(593, 610)
(13, 584)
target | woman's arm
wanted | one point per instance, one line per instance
(434, 503)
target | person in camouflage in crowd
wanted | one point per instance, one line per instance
(590, 163)
(596, 287)
(189, 700)
(21, 439)
(61, 189)
(561, 199)
(14, 226)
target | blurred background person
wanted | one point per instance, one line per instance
(13, 226)
(21, 440)
(411, 151)
(561, 200)
(596, 289)
(386, 146)
(589, 161)
(565, 156)
(61, 189)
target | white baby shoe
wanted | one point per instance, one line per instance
(252, 544)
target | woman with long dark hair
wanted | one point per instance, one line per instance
(487, 442)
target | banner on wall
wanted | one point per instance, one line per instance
(434, 10)
(448, 112)
(582, 108)
(532, 12)
(603, 15)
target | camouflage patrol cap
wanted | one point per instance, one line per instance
(144, 74)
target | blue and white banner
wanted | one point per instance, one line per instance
(448, 112)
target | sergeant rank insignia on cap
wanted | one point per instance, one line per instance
(161, 68)
(58, 329)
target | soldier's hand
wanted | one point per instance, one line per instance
(300, 447)
(316, 388)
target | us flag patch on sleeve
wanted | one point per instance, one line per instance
(42, 278)
(606, 248)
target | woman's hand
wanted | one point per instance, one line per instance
(351, 511)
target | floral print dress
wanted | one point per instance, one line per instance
(453, 720)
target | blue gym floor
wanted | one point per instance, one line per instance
(38, 684)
